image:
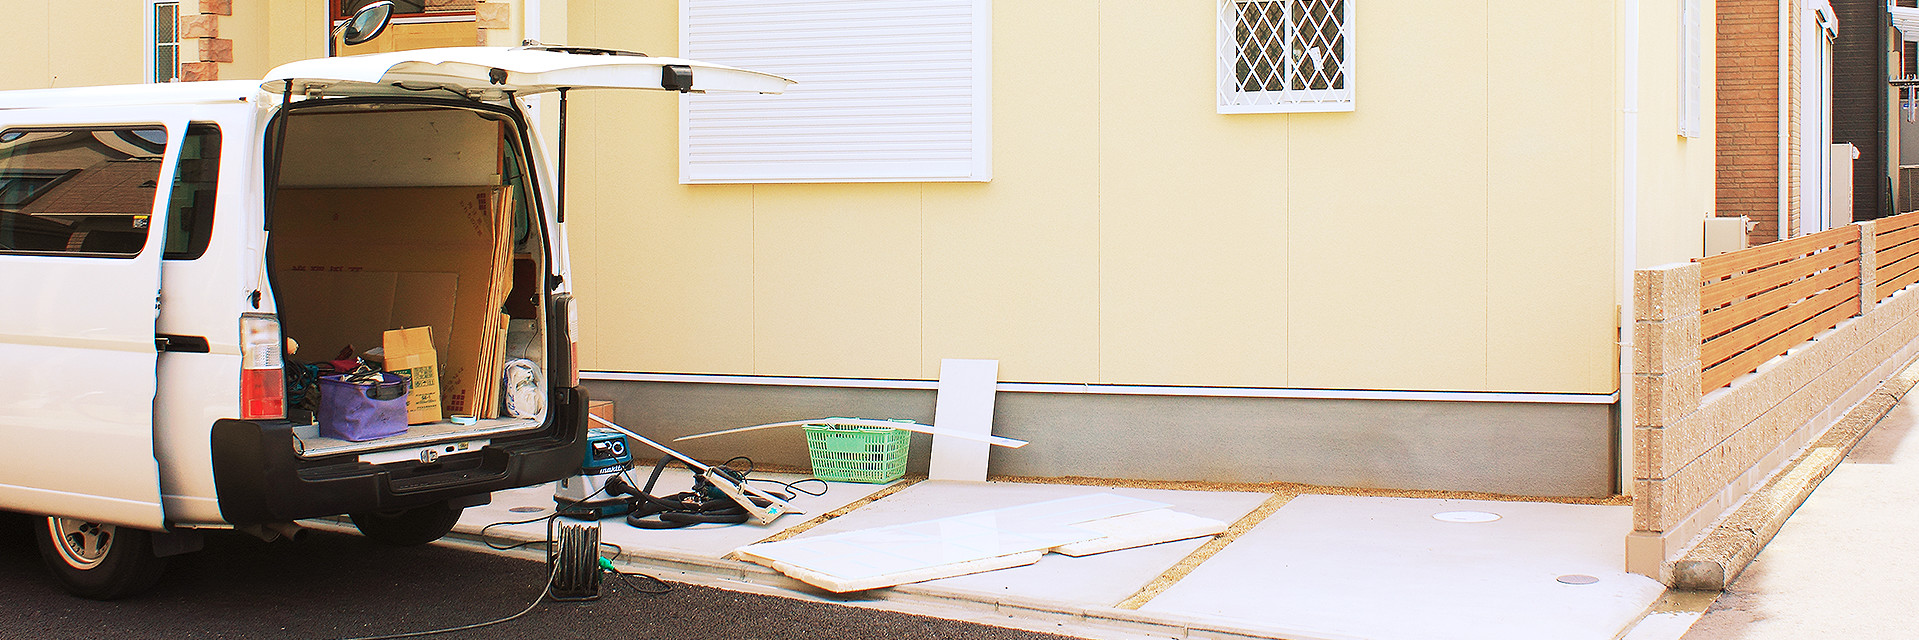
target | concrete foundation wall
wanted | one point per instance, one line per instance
(1536, 449)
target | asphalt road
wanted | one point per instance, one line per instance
(331, 585)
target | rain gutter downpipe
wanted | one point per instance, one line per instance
(1628, 232)
(1785, 115)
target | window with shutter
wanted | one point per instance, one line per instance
(888, 91)
(1690, 68)
(1285, 56)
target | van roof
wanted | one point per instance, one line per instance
(156, 93)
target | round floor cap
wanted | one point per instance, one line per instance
(1465, 516)
(1577, 578)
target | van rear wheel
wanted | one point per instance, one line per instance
(408, 527)
(98, 561)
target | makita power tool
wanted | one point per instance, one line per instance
(584, 496)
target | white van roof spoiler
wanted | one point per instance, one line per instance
(494, 71)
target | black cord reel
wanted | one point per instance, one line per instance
(574, 562)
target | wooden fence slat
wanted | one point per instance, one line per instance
(1890, 260)
(1899, 249)
(1718, 293)
(1725, 372)
(1725, 264)
(1716, 321)
(1760, 331)
(1890, 224)
(1898, 275)
(1896, 236)
(1891, 284)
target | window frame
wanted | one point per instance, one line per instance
(1230, 99)
(151, 50)
(201, 234)
(162, 163)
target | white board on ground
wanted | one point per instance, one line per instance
(886, 556)
(1140, 529)
(964, 405)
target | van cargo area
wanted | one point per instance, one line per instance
(389, 216)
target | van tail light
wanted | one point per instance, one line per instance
(569, 312)
(263, 391)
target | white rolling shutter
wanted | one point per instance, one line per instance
(888, 91)
(1691, 69)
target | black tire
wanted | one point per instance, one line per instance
(408, 527)
(98, 561)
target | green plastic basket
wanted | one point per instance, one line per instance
(850, 453)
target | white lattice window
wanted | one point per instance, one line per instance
(1284, 56)
(163, 52)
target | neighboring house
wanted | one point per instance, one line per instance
(1865, 114)
(1897, 52)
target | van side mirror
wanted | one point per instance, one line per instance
(366, 24)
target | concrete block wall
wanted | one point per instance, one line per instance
(1696, 456)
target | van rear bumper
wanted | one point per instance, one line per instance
(261, 479)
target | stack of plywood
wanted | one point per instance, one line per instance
(350, 263)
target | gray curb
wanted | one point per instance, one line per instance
(1718, 557)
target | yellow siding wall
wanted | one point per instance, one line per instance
(1455, 232)
(40, 51)
(1675, 185)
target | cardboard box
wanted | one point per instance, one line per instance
(329, 310)
(409, 352)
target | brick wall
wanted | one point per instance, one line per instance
(1747, 114)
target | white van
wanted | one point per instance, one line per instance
(165, 247)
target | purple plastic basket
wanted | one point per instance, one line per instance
(360, 411)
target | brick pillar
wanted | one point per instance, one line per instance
(202, 50)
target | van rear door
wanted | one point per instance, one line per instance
(82, 215)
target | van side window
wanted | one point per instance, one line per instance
(190, 209)
(78, 191)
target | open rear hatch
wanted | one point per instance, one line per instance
(404, 199)
(394, 216)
